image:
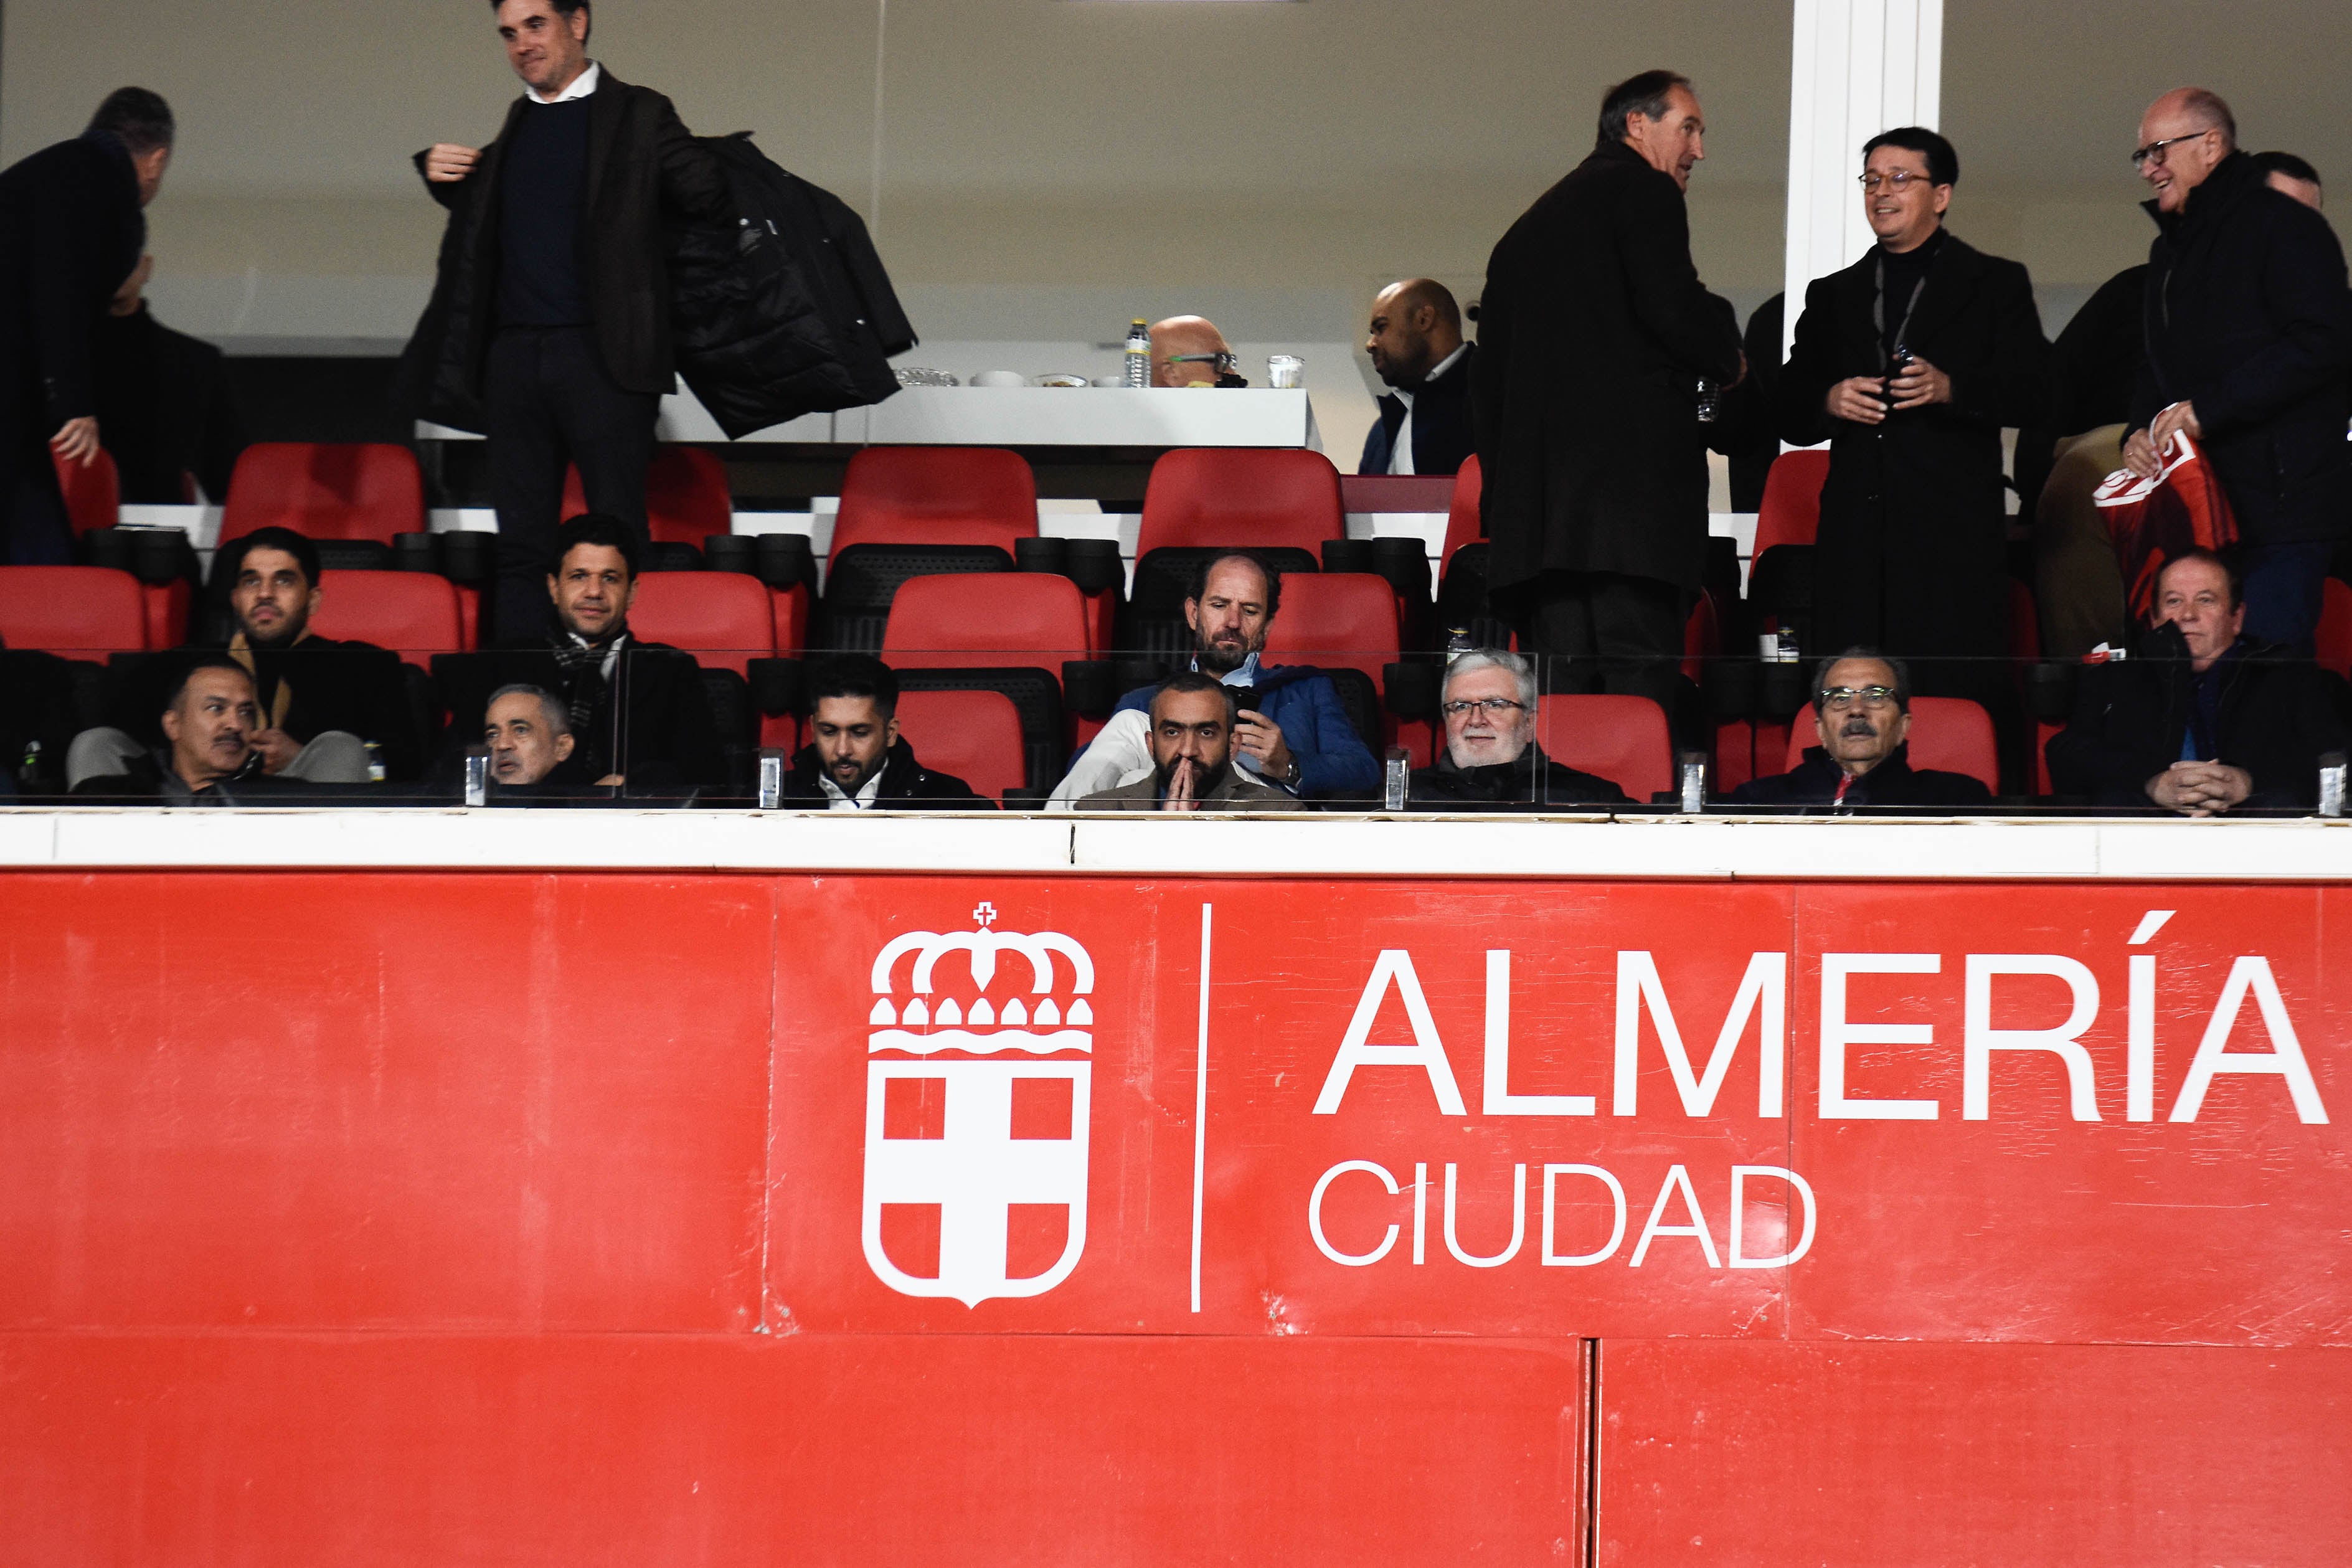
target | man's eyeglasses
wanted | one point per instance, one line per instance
(1224, 362)
(2154, 153)
(1491, 707)
(1901, 179)
(1842, 697)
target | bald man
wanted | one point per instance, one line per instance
(1415, 341)
(1189, 351)
(2248, 322)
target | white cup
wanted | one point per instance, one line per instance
(1285, 372)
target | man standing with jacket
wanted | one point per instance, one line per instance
(2249, 329)
(1910, 363)
(1593, 335)
(551, 313)
(70, 234)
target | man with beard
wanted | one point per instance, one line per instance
(1193, 721)
(2202, 719)
(858, 760)
(209, 719)
(1491, 761)
(1861, 709)
(322, 702)
(1292, 730)
(1416, 346)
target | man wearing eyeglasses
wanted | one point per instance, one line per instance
(1861, 712)
(1189, 351)
(1909, 363)
(2249, 330)
(1491, 761)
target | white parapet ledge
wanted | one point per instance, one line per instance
(1710, 847)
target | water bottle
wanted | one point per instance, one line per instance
(2331, 783)
(771, 780)
(1693, 782)
(1139, 354)
(1397, 780)
(478, 776)
(375, 762)
(1457, 643)
(1710, 406)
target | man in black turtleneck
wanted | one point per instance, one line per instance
(1910, 363)
(2249, 328)
(550, 325)
(71, 232)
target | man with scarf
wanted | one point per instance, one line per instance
(2202, 720)
(71, 231)
(639, 714)
(321, 703)
(1491, 761)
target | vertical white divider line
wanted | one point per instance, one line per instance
(874, 199)
(1201, 1108)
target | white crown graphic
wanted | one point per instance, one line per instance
(962, 1018)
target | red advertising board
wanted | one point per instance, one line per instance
(1205, 1216)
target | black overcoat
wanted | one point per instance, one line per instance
(1593, 332)
(643, 166)
(2247, 316)
(1910, 555)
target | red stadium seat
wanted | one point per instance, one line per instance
(325, 490)
(1622, 738)
(415, 614)
(93, 494)
(1949, 734)
(1702, 637)
(1345, 620)
(974, 735)
(1790, 512)
(77, 612)
(937, 495)
(1240, 498)
(2335, 628)
(726, 619)
(687, 496)
(1026, 618)
(1462, 525)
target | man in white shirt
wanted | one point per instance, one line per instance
(1416, 343)
(856, 759)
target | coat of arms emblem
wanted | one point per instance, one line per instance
(976, 1112)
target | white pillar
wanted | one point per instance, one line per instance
(1859, 68)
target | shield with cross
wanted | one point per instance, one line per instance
(978, 1081)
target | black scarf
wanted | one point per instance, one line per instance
(583, 674)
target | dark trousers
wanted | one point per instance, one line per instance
(1601, 631)
(550, 402)
(34, 531)
(2283, 585)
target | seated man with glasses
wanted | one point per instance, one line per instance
(1861, 710)
(1189, 351)
(1491, 761)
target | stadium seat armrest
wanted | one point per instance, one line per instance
(1091, 686)
(779, 686)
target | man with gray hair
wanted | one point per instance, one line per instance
(1491, 761)
(528, 733)
(2248, 323)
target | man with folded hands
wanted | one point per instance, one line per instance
(1862, 712)
(1192, 723)
(1491, 761)
(1292, 732)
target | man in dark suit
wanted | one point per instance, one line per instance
(1594, 333)
(1862, 714)
(70, 232)
(1909, 363)
(550, 325)
(2249, 329)
(1415, 341)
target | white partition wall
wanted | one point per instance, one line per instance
(1857, 67)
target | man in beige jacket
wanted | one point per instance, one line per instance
(1191, 755)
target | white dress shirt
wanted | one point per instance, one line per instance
(581, 86)
(1400, 455)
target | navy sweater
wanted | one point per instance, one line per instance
(543, 202)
